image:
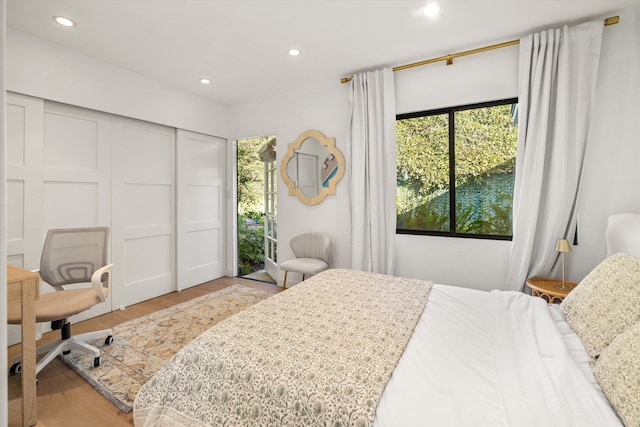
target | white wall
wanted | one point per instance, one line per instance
(324, 108)
(478, 78)
(626, 194)
(3, 217)
(611, 172)
(46, 70)
(42, 69)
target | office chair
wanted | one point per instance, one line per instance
(313, 253)
(69, 256)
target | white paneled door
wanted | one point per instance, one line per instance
(200, 208)
(164, 200)
(143, 235)
(25, 127)
(76, 174)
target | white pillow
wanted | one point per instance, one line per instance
(605, 303)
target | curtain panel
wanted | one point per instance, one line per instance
(371, 151)
(557, 81)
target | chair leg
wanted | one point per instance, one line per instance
(75, 342)
(284, 284)
(303, 277)
(93, 334)
(60, 347)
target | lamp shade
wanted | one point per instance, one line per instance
(563, 245)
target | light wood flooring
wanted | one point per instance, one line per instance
(65, 399)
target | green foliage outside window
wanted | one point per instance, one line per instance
(250, 243)
(250, 175)
(484, 150)
(250, 205)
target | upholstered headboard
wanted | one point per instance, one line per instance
(623, 234)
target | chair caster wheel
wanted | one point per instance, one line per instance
(96, 362)
(16, 368)
(109, 340)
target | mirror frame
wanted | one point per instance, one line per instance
(330, 143)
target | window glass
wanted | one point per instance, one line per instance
(422, 199)
(462, 156)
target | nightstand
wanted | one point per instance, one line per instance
(549, 289)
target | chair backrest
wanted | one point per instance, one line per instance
(312, 245)
(623, 234)
(71, 255)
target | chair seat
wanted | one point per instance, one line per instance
(304, 265)
(58, 305)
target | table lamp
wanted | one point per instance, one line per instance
(563, 246)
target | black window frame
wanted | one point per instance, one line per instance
(452, 193)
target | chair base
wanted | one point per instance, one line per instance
(75, 342)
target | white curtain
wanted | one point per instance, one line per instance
(371, 151)
(557, 80)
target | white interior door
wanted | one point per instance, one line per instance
(200, 201)
(307, 174)
(143, 206)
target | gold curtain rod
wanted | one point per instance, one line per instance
(449, 58)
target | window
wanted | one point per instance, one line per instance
(462, 157)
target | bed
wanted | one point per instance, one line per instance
(353, 348)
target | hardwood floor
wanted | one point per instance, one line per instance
(65, 399)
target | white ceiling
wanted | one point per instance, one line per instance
(241, 45)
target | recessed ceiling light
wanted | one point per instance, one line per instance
(293, 52)
(205, 81)
(431, 10)
(65, 22)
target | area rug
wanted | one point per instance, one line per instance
(142, 346)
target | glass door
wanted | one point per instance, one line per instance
(270, 218)
(256, 189)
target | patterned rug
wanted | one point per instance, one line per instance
(142, 346)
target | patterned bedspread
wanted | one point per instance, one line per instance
(319, 353)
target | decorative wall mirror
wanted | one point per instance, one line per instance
(312, 167)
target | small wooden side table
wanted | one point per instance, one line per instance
(550, 289)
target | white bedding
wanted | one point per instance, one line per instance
(492, 359)
(475, 358)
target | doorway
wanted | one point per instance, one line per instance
(257, 208)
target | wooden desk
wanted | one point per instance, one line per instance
(23, 288)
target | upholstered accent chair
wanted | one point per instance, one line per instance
(312, 255)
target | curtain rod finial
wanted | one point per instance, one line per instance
(612, 20)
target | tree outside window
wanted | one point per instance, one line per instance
(250, 205)
(463, 157)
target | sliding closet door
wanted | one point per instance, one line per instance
(143, 161)
(201, 192)
(25, 124)
(76, 174)
(25, 127)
